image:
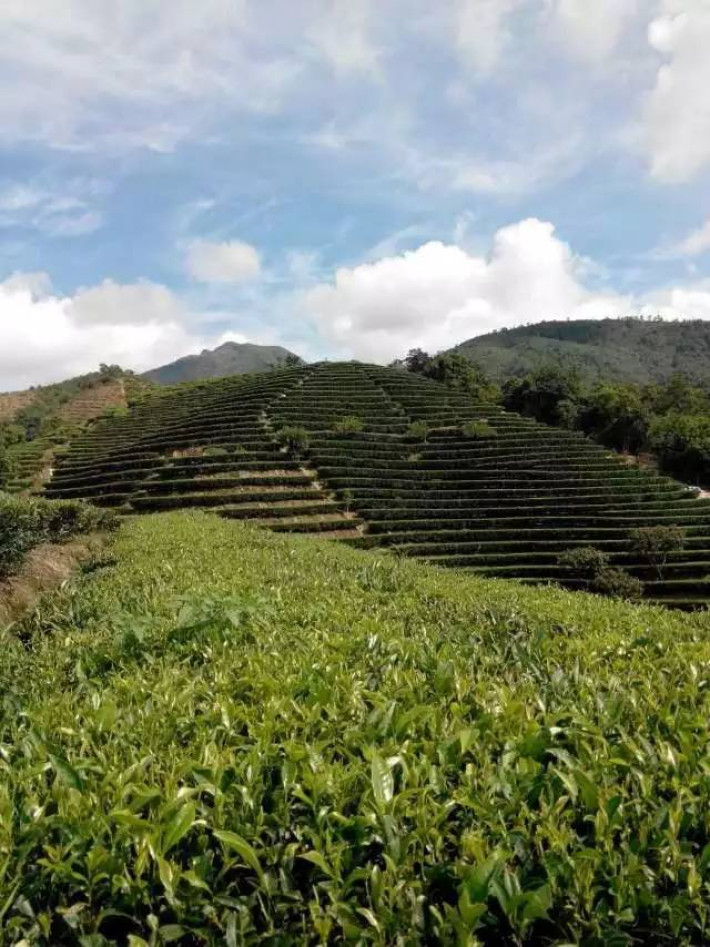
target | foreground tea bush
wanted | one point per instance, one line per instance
(24, 523)
(235, 737)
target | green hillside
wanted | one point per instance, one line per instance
(625, 350)
(382, 457)
(232, 358)
(221, 736)
(37, 422)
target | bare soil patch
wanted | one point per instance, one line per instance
(46, 567)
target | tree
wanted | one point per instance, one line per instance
(416, 360)
(654, 544)
(592, 566)
(617, 583)
(682, 443)
(292, 361)
(4, 468)
(617, 416)
(294, 439)
(584, 562)
(542, 393)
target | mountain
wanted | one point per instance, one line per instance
(634, 350)
(232, 358)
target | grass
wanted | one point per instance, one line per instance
(228, 736)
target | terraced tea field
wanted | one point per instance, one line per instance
(414, 473)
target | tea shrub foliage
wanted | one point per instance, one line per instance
(25, 523)
(233, 737)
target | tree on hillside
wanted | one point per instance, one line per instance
(4, 468)
(416, 360)
(682, 443)
(544, 394)
(455, 371)
(655, 544)
(678, 396)
(618, 416)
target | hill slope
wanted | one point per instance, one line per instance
(630, 350)
(36, 422)
(505, 498)
(232, 358)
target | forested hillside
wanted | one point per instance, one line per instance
(642, 351)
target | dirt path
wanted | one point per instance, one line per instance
(45, 568)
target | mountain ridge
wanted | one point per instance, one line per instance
(644, 351)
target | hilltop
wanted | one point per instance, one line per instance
(626, 350)
(232, 358)
(382, 457)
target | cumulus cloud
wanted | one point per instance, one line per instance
(47, 337)
(228, 262)
(677, 114)
(439, 294)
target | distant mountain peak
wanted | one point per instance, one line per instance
(229, 358)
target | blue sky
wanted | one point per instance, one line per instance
(344, 178)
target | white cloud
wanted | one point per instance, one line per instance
(341, 33)
(677, 114)
(228, 262)
(693, 245)
(86, 73)
(65, 210)
(439, 295)
(482, 31)
(46, 337)
(591, 29)
(136, 304)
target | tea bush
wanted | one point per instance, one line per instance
(348, 425)
(232, 737)
(478, 429)
(294, 438)
(24, 523)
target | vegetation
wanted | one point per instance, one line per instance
(505, 502)
(348, 425)
(418, 431)
(235, 737)
(656, 543)
(592, 567)
(477, 429)
(294, 438)
(34, 423)
(453, 370)
(672, 421)
(27, 523)
(586, 562)
(638, 351)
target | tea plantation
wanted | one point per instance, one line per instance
(386, 458)
(218, 735)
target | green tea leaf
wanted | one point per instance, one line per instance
(382, 780)
(241, 847)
